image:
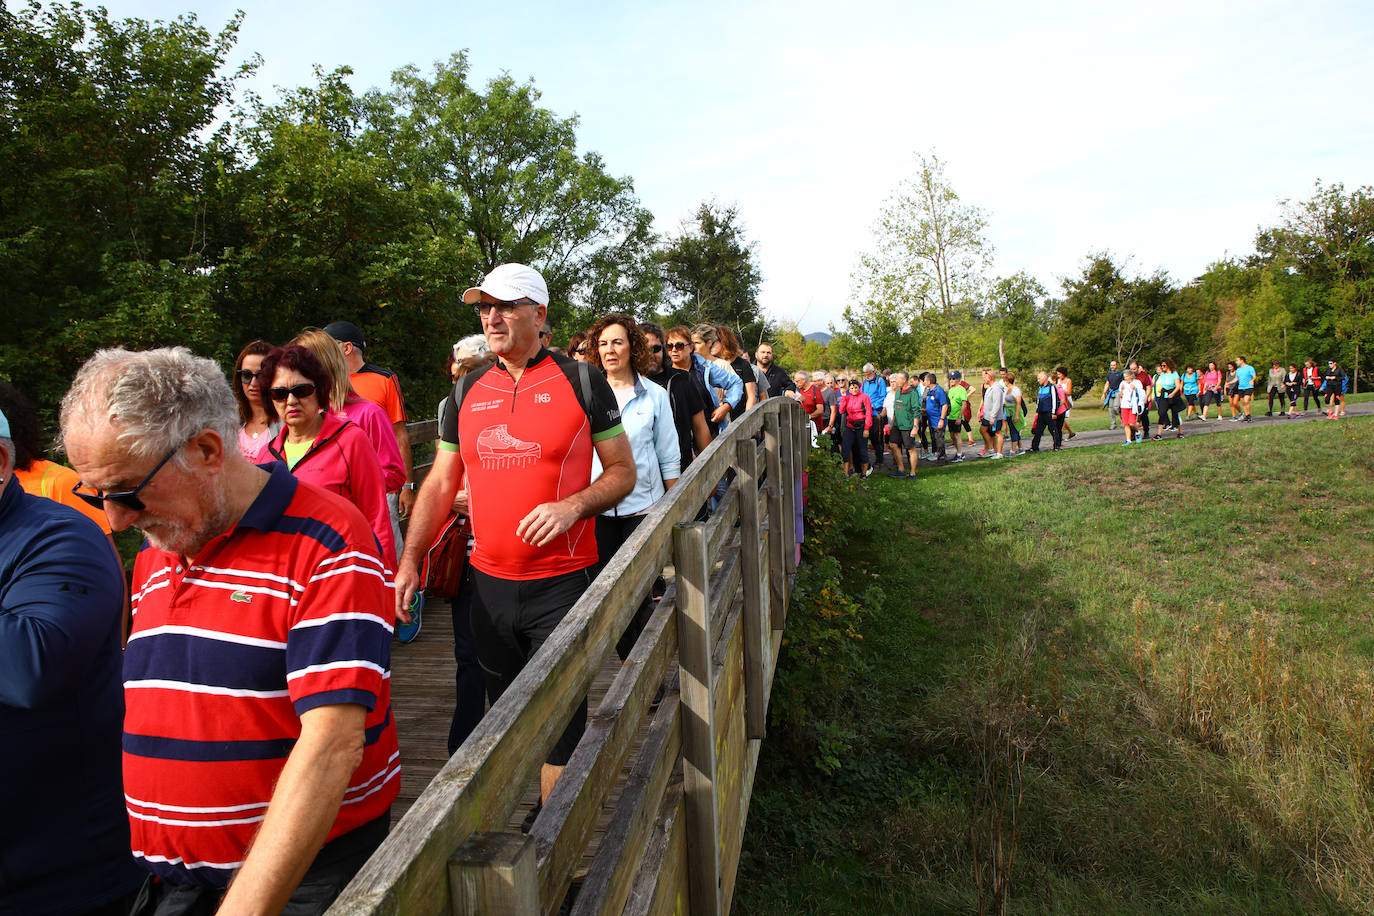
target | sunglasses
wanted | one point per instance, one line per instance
(126, 498)
(581, 349)
(678, 345)
(656, 348)
(507, 309)
(299, 392)
(246, 376)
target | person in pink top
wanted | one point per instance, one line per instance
(856, 421)
(348, 404)
(257, 430)
(1211, 389)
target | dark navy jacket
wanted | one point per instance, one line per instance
(64, 835)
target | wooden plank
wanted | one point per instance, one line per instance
(422, 431)
(750, 533)
(721, 525)
(732, 742)
(661, 886)
(787, 457)
(725, 583)
(570, 814)
(777, 565)
(495, 873)
(612, 874)
(698, 727)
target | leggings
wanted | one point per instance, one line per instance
(1275, 392)
(1168, 407)
(1055, 426)
(876, 439)
(855, 450)
(1013, 434)
(1312, 392)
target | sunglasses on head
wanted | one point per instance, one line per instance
(246, 376)
(299, 392)
(126, 498)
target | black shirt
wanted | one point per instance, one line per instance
(778, 380)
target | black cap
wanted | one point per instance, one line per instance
(345, 332)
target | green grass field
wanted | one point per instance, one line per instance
(1101, 681)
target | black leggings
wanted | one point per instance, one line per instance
(1312, 392)
(1168, 408)
(855, 450)
(611, 532)
(1055, 424)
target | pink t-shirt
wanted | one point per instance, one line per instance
(255, 448)
(1211, 380)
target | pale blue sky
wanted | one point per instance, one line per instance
(1166, 132)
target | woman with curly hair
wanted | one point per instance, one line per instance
(621, 351)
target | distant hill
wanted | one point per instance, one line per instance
(820, 337)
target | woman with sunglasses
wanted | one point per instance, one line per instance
(319, 446)
(689, 411)
(577, 347)
(709, 375)
(257, 430)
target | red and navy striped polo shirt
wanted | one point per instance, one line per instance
(287, 611)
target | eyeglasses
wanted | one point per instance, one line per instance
(678, 345)
(581, 349)
(126, 498)
(246, 376)
(299, 392)
(656, 348)
(546, 333)
(506, 309)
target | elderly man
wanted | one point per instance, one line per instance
(522, 431)
(61, 604)
(260, 758)
(776, 376)
(874, 387)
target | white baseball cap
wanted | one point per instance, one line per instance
(510, 282)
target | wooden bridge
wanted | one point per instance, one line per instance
(649, 815)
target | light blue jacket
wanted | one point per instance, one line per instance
(876, 389)
(718, 377)
(648, 421)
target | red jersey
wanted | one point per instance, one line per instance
(287, 611)
(526, 443)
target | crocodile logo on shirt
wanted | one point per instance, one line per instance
(241, 597)
(498, 449)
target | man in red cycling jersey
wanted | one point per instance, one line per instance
(519, 436)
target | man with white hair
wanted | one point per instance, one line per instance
(520, 434)
(260, 756)
(61, 607)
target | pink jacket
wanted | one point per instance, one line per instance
(373, 421)
(856, 407)
(342, 460)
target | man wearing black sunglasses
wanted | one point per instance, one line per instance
(246, 690)
(519, 435)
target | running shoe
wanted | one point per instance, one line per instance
(997, 455)
(407, 632)
(1072, 434)
(1156, 437)
(897, 474)
(497, 448)
(1179, 436)
(959, 457)
(1246, 419)
(986, 452)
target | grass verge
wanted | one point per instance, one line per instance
(1097, 681)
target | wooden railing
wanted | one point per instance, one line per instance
(673, 840)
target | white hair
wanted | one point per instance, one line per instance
(157, 400)
(472, 346)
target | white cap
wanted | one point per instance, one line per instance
(508, 283)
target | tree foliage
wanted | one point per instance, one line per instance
(710, 267)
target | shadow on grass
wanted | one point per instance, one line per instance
(1004, 738)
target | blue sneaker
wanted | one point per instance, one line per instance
(406, 632)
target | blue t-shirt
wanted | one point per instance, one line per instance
(936, 401)
(1190, 382)
(1245, 377)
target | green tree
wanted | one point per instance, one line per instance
(106, 180)
(710, 267)
(928, 265)
(1021, 319)
(500, 170)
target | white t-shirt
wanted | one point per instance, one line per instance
(1132, 395)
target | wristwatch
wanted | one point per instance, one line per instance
(408, 485)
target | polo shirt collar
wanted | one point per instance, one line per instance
(531, 362)
(270, 504)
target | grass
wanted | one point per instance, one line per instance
(1100, 681)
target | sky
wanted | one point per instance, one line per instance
(1165, 133)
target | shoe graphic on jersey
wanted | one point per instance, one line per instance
(498, 449)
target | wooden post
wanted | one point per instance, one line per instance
(787, 453)
(495, 873)
(755, 627)
(777, 539)
(698, 719)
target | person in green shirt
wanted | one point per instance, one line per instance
(958, 392)
(906, 407)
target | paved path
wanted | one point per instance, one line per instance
(1189, 428)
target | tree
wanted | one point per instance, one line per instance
(1329, 240)
(499, 169)
(929, 262)
(1107, 315)
(106, 176)
(710, 266)
(1020, 319)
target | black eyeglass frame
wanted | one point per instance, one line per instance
(301, 391)
(246, 376)
(126, 498)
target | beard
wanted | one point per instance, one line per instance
(185, 539)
